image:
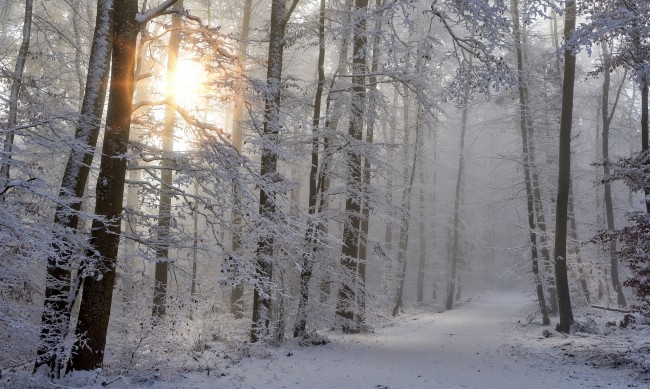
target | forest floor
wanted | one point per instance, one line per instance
(491, 341)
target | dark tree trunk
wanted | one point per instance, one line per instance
(644, 133)
(560, 254)
(59, 297)
(526, 142)
(311, 237)
(99, 275)
(350, 250)
(268, 166)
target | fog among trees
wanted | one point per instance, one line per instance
(202, 181)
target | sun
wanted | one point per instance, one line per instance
(188, 85)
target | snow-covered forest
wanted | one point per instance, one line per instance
(324, 193)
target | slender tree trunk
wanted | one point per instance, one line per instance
(333, 114)
(540, 219)
(14, 94)
(560, 254)
(350, 250)
(607, 117)
(526, 142)
(365, 207)
(99, 275)
(268, 165)
(406, 215)
(237, 292)
(455, 249)
(59, 295)
(165, 197)
(434, 293)
(575, 244)
(423, 234)
(388, 266)
(644, 133)
(195, 243)
(312, 238)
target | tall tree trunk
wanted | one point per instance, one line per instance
(560, 257)
(607, 117)
(312, 238)
(237, 291)
(333, 114)
(406, 210)
(434, 132)
(14, 94)
(455, 249)
(350, 250)
(268, 165)
(99, 276)
(388, 232)
(59, 297)
(365, 207)
(526, 142)
(423, 234)
(644, 133)
(165, 196)
(540, 219)
(195, 242)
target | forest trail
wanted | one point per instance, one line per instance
(480, 344)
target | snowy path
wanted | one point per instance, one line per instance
(478, 345)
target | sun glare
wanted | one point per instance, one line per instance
(189, 83)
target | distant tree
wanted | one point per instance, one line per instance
(634, 171)
(625, 23)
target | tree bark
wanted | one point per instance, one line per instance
(311, 236)
(350, 250)
(644, 133)
(237, 292)
(268, 165)
(560, 254)
(59, 296)
(99, 276)
(526, 142)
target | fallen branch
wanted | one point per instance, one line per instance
(611, 309)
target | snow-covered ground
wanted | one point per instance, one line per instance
(484, 343)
